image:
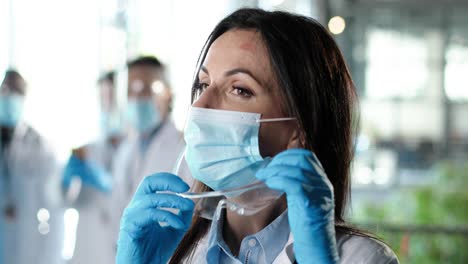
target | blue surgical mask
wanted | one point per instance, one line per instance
(143, 114)
(110, 123)
(11, 108)
(222, 147)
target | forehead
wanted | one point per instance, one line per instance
(244, 39)
(144, 73)
(240, 48)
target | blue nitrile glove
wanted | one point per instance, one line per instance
(309, 194)
(90, 173)
(142, 239)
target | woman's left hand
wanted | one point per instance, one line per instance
(309, 194)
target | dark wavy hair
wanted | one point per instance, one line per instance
(317, 89)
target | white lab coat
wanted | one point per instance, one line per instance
(34, 184)
(94, 243)
(352, 249)
(131, 165)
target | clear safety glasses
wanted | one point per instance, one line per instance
(246, 200)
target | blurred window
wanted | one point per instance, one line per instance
(456, 72)
(56, 48)
(456, 69)
(396, 64)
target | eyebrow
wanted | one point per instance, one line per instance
(236, 71)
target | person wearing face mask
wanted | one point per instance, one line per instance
(30, 216)
(91, 166)
(273, 102)
(154, 143)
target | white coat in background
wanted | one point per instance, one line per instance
(33, 184)
(131, 165)
(94, 243)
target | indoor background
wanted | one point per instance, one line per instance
(408, 58)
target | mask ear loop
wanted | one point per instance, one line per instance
(275, 119)
(219, 209)
(176, 169)
(267, 120)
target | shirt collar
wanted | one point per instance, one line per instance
(274, 236)
(272, 239)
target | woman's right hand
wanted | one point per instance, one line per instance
(142, 239)
(311, 206)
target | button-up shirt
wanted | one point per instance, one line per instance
(262, 247)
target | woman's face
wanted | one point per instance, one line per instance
(237, 75)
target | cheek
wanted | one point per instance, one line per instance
(163, 104)
(273, 138)
(159, 103)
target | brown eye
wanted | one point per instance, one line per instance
(243, 92)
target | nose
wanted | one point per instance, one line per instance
(207, 99)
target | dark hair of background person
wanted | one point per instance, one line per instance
(317, 89)
(14, 82)
(149, 61)
(107, 77)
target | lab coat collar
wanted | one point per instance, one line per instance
(20, 130)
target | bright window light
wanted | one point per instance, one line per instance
(456, 78)
(58, 55)
(397, 65)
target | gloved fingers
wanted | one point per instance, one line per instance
(70, 172)
(289, 171)
(94, 170)
(293, 151)
(297, 152)
(66, 181)
(155, 200)
(74, 161)
(74, 168)
(298, 157)
(305, 200)
(284, 171)
(89, 177)
(104, 182)
(139, 220)
(293, 157)
(186, 217)
(292, 186)
(96, 176)
(163, 181)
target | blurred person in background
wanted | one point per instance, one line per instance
(32, 230)
(155, 144)
(90, 165)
